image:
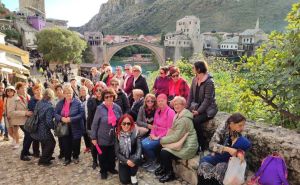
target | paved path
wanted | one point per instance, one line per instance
(16, 172)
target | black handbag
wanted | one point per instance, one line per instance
(32, 122)
(61, 129)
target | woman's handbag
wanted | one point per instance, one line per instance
(235, 173)
(61, 129)
(32, 122)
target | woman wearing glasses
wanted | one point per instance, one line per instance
(161, 84)
(103, 131)
(128, 150)
(70, 111)
(146, 114)
(110, 75)
(92, 104)
(122, 99)
(177, 85)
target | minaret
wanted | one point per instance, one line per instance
(257, 24)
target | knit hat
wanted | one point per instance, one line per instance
(10, 87)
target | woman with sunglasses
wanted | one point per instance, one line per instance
(103, 131)
(92, 104)
(128, 150)
(146, 114)
(177, 85)
(161, 84)
(122, 99)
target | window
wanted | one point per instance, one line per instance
(231, 46)
(250, 40)
(196, 22)
(190, 22)
(187, 30)
(235, 46)
(179, 42)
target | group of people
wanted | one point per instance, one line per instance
(119, 118)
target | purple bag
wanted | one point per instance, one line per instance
(272, 171)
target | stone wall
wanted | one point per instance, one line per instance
(265, 140)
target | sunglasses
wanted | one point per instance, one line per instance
(150, 101)
(114, 84)
(126, 69)
(98, 90)
(108, 96)
(135, 70)
(173, 76)
(126, 123)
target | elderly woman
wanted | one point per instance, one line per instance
(122, 99)
(182, 128)
(110, 75)
(92, 104)
(89, 84)
(177, 86)
(138, 97)
(104, 123)
(44, 135)
(139, 81)
(202, 101)
(146, 114)
(226, 142)
(161, 84)
(163, 120)
(128, 150)
(17, 113)
(70, 112)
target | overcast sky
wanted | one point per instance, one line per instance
(77, 12)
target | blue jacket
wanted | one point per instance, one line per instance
(103, 132)
(31, 104)
(76, 115)
(46, 114)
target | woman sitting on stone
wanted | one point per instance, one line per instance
(128, 150)
(182, 125)
(163, 120)
(226, 142)
(146, 114)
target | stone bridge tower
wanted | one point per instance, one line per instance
(31, 7)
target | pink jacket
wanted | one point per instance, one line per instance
(163, 121)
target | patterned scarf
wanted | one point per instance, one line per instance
(125, 143)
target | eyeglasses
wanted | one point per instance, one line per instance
(135, 70)
(114, 84)
(162, 73)
(98, 90)
(126, 123)
(150, 101)
(173, 76)
(108, 96)
(126, 69)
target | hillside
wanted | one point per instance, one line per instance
(155, 16)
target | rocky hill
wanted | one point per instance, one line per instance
(155, 16)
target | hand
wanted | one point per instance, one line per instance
(65, 120)
(153, 137)
(149, 126)
(195, 113)
(241, 156)
(29, 113)
(94, 142)
(68, 119)
(130, 163)
(231, 151)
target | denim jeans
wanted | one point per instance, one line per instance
(150, 147)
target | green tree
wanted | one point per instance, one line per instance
(273, 73)
(60, 45)
(88, 55)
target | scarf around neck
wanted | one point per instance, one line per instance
(111, 117)
(125, 143)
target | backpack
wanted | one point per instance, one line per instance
(273, 171)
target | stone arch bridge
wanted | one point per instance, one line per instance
(110, 50)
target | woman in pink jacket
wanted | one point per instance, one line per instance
(163, 120)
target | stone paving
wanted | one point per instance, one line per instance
(16, 172)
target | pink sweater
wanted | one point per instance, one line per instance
(163, 121)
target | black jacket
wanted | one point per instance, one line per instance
(122, 101)
(92, 105)
(136, 149)
(135, 108)
(141, 83)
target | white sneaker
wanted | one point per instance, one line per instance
(16, 146)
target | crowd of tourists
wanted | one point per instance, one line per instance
(121, 118)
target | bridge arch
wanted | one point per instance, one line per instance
(111, 50)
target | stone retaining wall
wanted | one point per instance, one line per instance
(265, 140)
